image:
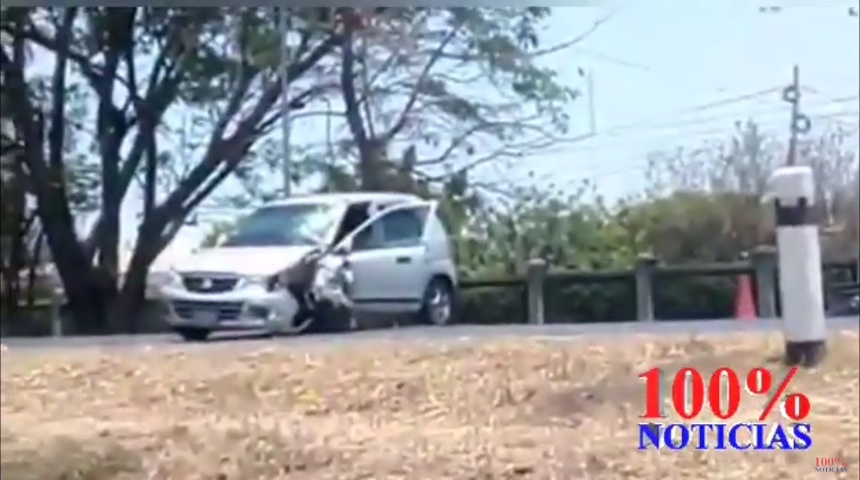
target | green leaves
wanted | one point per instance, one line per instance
(503, 232)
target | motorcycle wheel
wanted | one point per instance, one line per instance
(328, 317)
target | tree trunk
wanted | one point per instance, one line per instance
(109, 236)
(16, 253)
(81, 280)
(130, 301)
(35, 263)
(372, 164)
(12, 268)
(128, 308)
(83, 285)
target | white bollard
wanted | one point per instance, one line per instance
(793, 191)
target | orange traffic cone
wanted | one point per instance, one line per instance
(745, 308)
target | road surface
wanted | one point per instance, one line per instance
(437, 334)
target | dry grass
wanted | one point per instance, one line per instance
(511, 410)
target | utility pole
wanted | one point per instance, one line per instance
(286, 121)
(800, 123)
(592, 121)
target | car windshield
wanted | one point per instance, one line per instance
(282, 226)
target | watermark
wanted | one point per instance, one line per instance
(830, 465)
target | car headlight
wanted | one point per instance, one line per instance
(270, 282)
(254, 281)
(163, 278)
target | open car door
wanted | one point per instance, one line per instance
(387, 256)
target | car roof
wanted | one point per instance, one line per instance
(348, 197)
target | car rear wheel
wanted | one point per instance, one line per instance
(193, 334)
(438, 304)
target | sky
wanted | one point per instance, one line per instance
(660, 66)
(653, 62)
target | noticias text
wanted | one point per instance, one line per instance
(725, 436)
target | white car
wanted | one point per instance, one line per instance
(394, 246)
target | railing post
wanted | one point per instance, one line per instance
(536, 270)
(644, 273)
(764, 266)
(855, 273)
(55, 312)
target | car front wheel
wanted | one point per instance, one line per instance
(191, 334)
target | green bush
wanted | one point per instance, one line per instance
(492, 305)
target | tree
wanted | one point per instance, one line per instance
(21, 238)
(710, 197)
(428, 94)
(137, 65)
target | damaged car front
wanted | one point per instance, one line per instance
(248, 281)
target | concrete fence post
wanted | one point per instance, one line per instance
(856, 271)
(764, 267)
(536, 270)
(55, 313)
(644, 273)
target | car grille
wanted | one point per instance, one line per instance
(207, 284)
(224, 311)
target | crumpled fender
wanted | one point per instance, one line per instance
(332, 281)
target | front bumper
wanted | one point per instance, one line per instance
(247, 308)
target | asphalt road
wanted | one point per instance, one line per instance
(437, 334)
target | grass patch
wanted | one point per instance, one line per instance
(514, 409)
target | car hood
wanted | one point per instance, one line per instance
(257, 261)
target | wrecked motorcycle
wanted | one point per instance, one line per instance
(319, 283)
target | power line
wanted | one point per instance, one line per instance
(690, 136)
(695, 109)
(681, 122)
(845, 113)
(731, 101)
(624, 140)
(616, 135)
(640, 67)
(632, 168)
(845, 99)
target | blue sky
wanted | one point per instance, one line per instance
(655, 61)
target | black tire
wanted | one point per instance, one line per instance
(845, 307)
(427, 315)
(329, 318)
(193, 334)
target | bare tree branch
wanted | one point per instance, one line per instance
(575, 40)
(419, 84)
(350, 98)
(229, 151)
(58, 96)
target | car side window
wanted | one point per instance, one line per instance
(399, 228)
(403, 228)
(365, 239)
